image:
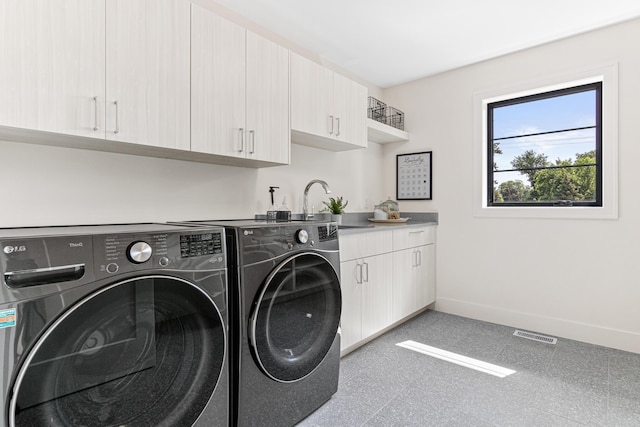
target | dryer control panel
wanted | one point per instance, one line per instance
(272, 240)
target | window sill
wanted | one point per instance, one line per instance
(547, 212)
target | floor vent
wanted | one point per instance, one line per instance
(535, 337)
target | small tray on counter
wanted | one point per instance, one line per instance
(389, 221)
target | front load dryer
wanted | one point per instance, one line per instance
(115, 325)
(286, 303)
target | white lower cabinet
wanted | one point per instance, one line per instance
(366, 292)
(414, 285)
(386, 276)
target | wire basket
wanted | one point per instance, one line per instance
(394, 117)
(376, 110)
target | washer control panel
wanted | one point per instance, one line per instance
(188, 250)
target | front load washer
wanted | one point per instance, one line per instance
(286, 300)
(114, 325)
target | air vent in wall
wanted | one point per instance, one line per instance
(535, 337)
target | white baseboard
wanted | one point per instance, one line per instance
(579, 331)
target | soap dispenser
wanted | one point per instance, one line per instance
(272, 211)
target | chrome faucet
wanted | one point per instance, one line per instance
(305, 204)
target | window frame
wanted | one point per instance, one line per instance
(569, 90)
(607, 74)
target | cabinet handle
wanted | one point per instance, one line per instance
(359, 269)
(366, 265)
(253, 141)
(338, 126)
(416, 232)
(95, 113)
(241, 140)
(331, 123)
(117, 129)
(419, 253)
(414, 259)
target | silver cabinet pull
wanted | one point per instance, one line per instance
(331, 122)
(117, 129)
(366, 269)
(359, 269)
(241, 140)
(416, 232)
(338, 126)
(253, 141)
(414, 259)
(419, 252)
(95, 113)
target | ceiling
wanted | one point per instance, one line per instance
(388, 42)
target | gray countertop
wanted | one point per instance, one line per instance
(359, 222)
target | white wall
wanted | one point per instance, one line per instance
(571, 278)
(61, 186)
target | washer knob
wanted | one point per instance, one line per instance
(302, 236)
(139, 252)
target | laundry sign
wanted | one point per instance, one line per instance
(7, 318)
(413, 176)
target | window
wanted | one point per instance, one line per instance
(545, 149)
(532, 109)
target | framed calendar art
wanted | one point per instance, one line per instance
(413, 176)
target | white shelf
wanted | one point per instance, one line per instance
(384, 134)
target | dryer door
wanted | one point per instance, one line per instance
(147, 351)
(296, 317)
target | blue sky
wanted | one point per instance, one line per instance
(564, 112)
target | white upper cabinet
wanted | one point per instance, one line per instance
(239, 91)
(327, 110)
(350, 110)
(145, 73)
(218, 89)
(269, 131)
(52, 65)
(117, 69)
(148, 72)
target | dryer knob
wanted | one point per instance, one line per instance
(302, 236)
(139, 252)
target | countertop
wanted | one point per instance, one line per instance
(359, 222)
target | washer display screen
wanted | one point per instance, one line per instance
(192, 245)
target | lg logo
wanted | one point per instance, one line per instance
(12, 249)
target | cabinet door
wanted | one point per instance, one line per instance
(311, 97)
(376, 294)
(52, 57)
(148, 72)
(404, 286)
(218, 89)
(351, 318)
(268, 132)
(425, 276)
(350, 111)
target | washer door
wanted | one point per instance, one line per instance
(143, 352)
(296, 317)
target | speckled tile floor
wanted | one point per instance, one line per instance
(567, 384)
